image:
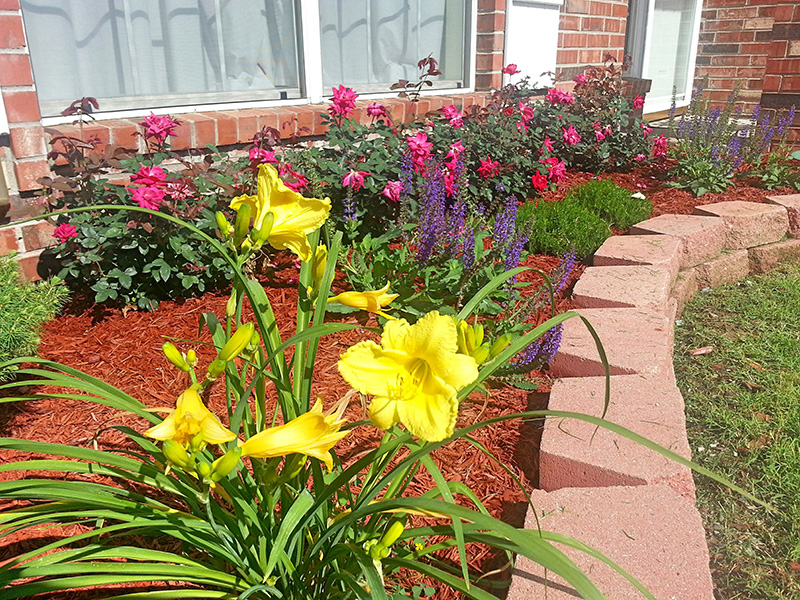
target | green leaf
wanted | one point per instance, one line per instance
(296, 512)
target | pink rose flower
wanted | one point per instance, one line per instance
(453, 115)
(420, 150)
(570, 136)
(456, 150)
(599, 136)
(508, 111)
(393, 190)
(148, 197)
(376, 109)
(354, 179)
(159, 127)
(511, 69)
(65, 231)
(300, 180)
(489, 168)
(556, 96)
(659, 146)
(638, 102)
(178, 190)
(539, 181)
(262, 155)
(525, 111)
(640, 158)
(645, 129)
(580, 78)
(344, 101)
(149, 176)
(557, 170)
(548, 144)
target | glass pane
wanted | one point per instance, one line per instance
(371, 45)
(670, 48)
(149, 53)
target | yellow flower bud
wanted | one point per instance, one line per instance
(246, 246)
(223, 225)
(394, 531)
(481, 354)
(175, 357)
(234, 346)
(499, 345)
(203, 469)
(469, 338)
(478, 334)
(461, 328)
(197, 442)
(191, 358)
(261, 235)
(242, 224)
(318, 264)
(177, 455)
(215, 369)
(225, 464)
(230, 307)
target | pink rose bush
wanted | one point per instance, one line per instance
(159, 127)
(64, 232)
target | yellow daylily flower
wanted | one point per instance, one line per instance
(372, 301)
(313, 434)
(294, 215)
(189, 418)
(414, 375)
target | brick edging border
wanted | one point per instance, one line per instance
(617, 496)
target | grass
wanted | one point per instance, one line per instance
(743, 415)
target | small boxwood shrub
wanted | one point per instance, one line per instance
(24, 307)
(612, 203)
(583, 219)
(560, 226)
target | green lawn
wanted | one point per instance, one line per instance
(743, 413)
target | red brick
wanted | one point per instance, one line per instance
(590, 56)
(489, 23)
(28, 141)
(731, 61)
(790, 84)
(574, 40)
(614, 25)
(759, 23)
(305, 118)
(724, 25)
(620, 11)
(182, 140)
(486, 81)
(21, 107)
(396, 108)
(781, 13)
(9, 4)
(15, 69)
(569, 23)
(576, 6)
(601, 8)
(598, 41)
(786, 66)
(749, 72)
(566, 57)
(204, 129)
(8, 241)
(246, 123)
(616, 41)
(488, 42)
(488, 62)
(124, 134)
(592, 24)
(28, 266)
(227, 128)
(738, 13)
(772, 83)
(491, 5)
(758, 60)
(38, 235)
(735, 36)
(12, 34)
(755, 48)
(28, 172)
(778, 49)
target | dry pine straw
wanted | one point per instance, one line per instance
(124, 350)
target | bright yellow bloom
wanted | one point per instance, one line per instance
(318, 264)
(313, 434)
(189, 418)
(372, 301)
(414, 375)
(295, 216)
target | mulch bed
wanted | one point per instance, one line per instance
(123, 348)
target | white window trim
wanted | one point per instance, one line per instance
(641, 47)
(311, 88)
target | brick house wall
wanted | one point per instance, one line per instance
(755, 44)
(588, 30)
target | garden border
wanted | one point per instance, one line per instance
(630, 503)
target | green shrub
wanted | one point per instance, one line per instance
(612, 203)
(561, 226)
(23, 309)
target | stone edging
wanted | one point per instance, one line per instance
(630, 503)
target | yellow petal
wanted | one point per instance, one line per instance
(214, 432)
(164, 430)
(293, 222)
(431, 413)
(372, 370)
(383, 412)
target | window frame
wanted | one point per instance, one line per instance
(311, 89)
(638, 36)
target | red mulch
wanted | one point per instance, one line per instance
(124, 349)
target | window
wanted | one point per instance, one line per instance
(662, 40)
(142, 54)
